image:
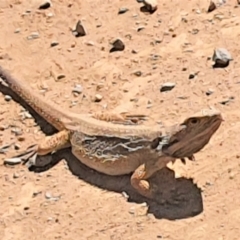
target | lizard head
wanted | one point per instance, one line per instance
(193, 134)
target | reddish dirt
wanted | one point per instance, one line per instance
(71, 201)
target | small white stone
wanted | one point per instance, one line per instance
(77, 89)
(12, 161)
(33, 35)
(98, 98)
(168, 86)
(7, 98)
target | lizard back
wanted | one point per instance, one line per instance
(63, 119)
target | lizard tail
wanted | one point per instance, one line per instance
(51, 112)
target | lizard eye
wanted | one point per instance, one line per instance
(194, 121)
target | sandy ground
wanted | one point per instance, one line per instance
(71, 201)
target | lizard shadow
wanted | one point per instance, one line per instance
(176, 198)
(179, 198)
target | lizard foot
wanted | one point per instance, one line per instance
(30, 158)
(191, 158)
(139, 180)
(36, 155)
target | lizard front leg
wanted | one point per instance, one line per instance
(144, 172)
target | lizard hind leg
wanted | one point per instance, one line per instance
(48, 145)
(54, 142)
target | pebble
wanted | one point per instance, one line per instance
(21, 139)
(138, 73)
(122, 10)
(16, 131)
(15, 175)
(4, 148)
(49, 219)
(227, 100)
(17, 146)
(36, 193)
(54, 43)
(131, 210)
(150, 5)
(220, 2)
(118, 45)
(79, 30)
(61, 76)
(45, 5)
(12, 161)
(33, 35)
(77, 89)
(214, 4)
(3, 127)
(140, 28)
(7, 98)
(125, 195)
(17, 30)
(139, 210)
(191, 76)
(90, 43)
(221, 57)
(212, 7)
(27, 115)
(209, 92)
(50, 15)
(98, 98)
(168, 86)
(48, 195)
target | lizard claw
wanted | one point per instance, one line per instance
(191, 158)
(183, 160)
(30, 157)
(27, 157)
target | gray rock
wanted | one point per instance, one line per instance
(118, 45)
(212, 7)
(150, 5)
(221, 57)
(45, 4)
(79, 30)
